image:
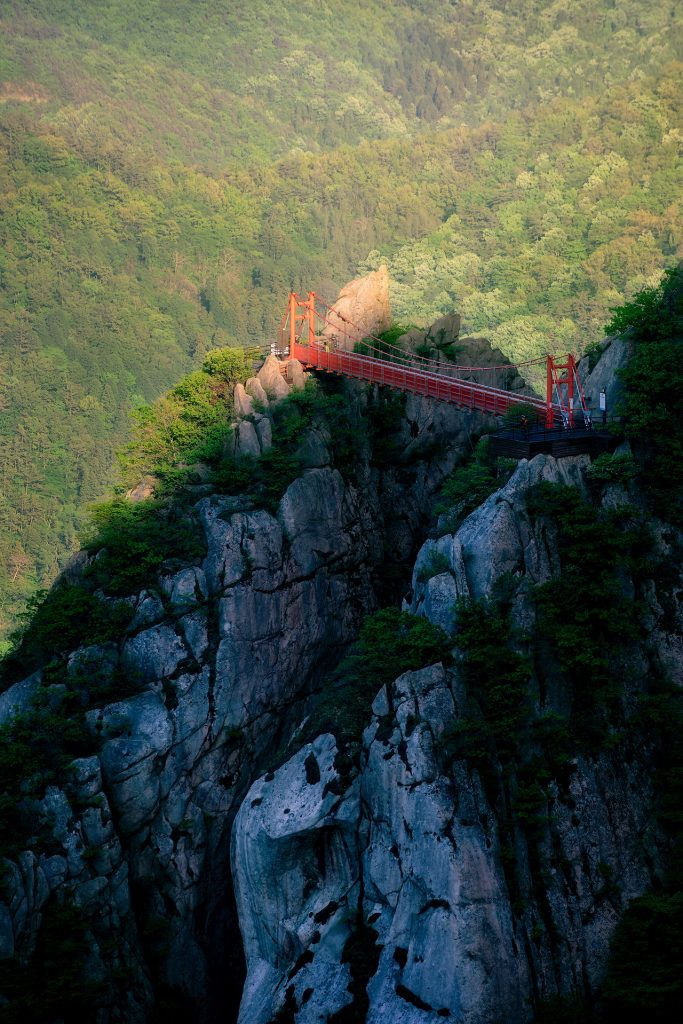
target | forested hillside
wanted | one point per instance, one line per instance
(169, 170)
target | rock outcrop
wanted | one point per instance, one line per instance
(409, 857)
(214, 670)
(604, 377)
(496, 538)
(415, 852)
(361, 309)
(252, 433)
(441, 343)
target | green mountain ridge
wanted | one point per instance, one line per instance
(169, 172)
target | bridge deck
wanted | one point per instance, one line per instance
(414, 379)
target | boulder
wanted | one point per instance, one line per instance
(361, 309)
(296, 377)
(445, 330)
(246, 440)
(264, 431)
(142, 490)
(17, 698)
(271, 379)
(244, 403)
(254, 388)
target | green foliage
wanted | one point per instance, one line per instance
(38, 744)
(469, 485)
(36, 747)
(229, 365)
(384, 420)
(390, 642)
(466, 488)
(584, 614)
(56, 984)
(553, 235)
(645, 973)
(188, 424)
(133, 539)
(497, 680)
(552, 736)
(654, 314)
(277, 469)
(234, 475)
(562, 1010)
(61, 619)
(653, 381)
(646, 970)
(435, 564)
(386, 344)
(160, 197)
(592, 353)
(612, 469)
(394, 333)
(530, 801)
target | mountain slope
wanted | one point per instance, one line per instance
(167, 175)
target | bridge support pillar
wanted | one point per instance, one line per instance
(549, 393)
(292, 323)
(310, 305)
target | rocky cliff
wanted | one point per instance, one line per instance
(215, 667)
(467, 856)
(464, 906)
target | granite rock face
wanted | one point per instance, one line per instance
(417, 863)
(296, 882)
(496, 538)
(413, 848)
(361, 309)
(91, 872)
(214, 670)
(614, 355)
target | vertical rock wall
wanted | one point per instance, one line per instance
(224, 654)
(422, 871)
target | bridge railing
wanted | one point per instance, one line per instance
(413, 379)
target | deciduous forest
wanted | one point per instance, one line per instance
(168, 171)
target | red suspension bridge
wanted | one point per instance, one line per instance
(319, 336)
